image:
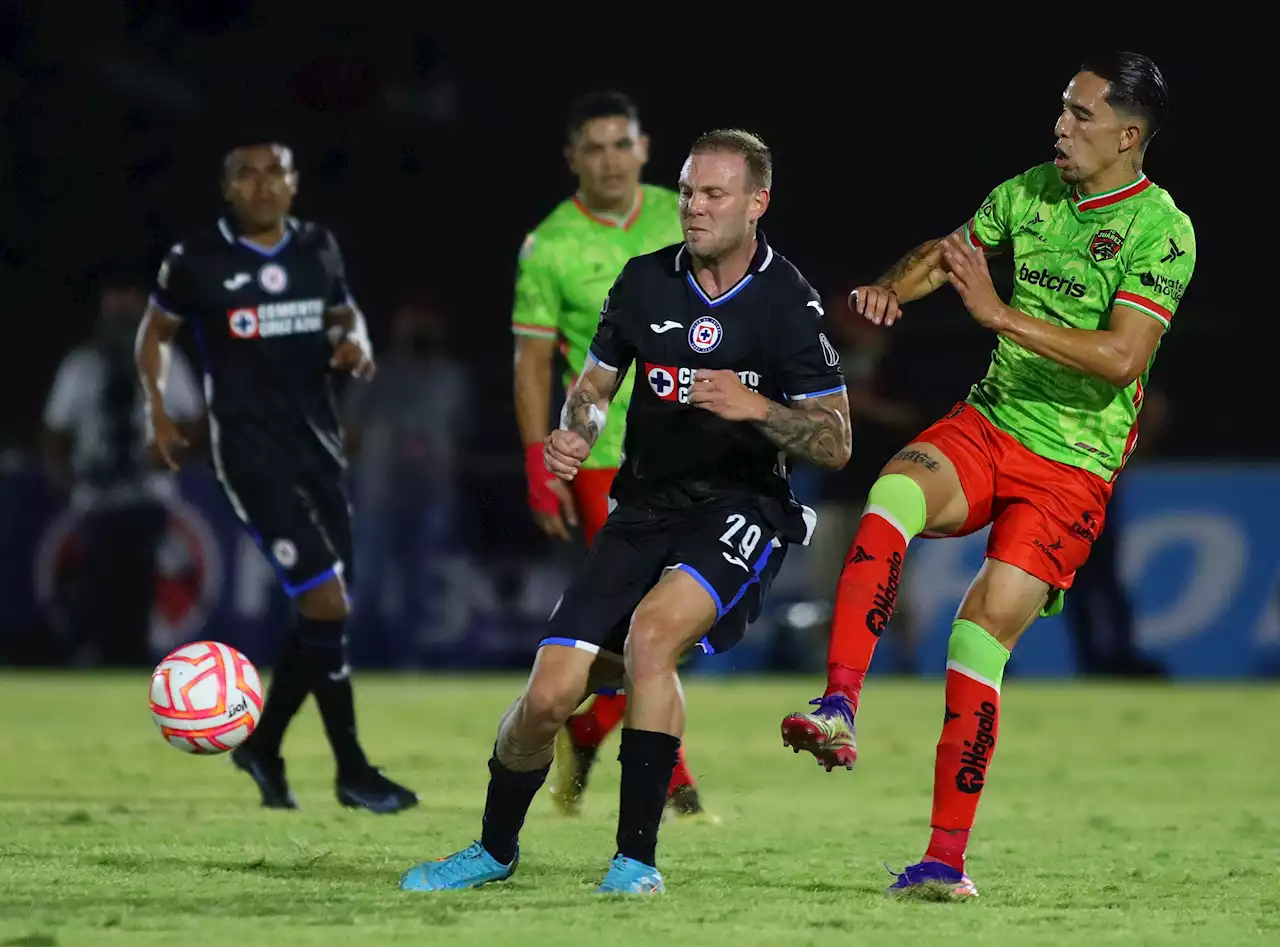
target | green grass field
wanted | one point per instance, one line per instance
(1114, 815)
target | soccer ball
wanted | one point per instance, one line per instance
(206, 697)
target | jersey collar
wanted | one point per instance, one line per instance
(763, 257)
(611, 220)
(231, 233)
(759, 262)
(1106, 199)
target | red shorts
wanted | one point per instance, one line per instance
(591, 492)
(1044, 515)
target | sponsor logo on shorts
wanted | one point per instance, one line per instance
(972, 774)
(1054, 282)
(1050, 550)
(1086, 527)
(886, 597)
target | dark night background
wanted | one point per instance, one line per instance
(431, 151)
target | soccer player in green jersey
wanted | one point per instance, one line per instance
(567, 264)
(1101, 258)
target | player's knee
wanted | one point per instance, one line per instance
(654, 643)
(548, 702)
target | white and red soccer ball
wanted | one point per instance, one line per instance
(206, 697)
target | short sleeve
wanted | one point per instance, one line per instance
(988, 228)
(612, 347)
(339, 289)
(536, 313)
(810, 365)
(173, 291)
(1159, 270)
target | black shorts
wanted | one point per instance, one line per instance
(301, 519)
(731, 551)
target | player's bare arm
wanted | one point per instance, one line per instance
(920, 271)
(581, 420)
(351, 349)
(1117, 354)
(151, 355)
(816, 429)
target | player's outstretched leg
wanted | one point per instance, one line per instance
(315, 661)
(577, 745)
(895, 513)
(259, 755)
(518, 767)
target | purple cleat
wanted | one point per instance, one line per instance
(934, 881)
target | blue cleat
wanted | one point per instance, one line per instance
(628, 876)
(933, 881)
(469, 868)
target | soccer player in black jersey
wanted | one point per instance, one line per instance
(733, 373)
(266, 298)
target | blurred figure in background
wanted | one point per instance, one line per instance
(406, 430)
(1099, 612)
(94, 448)
(880, 422)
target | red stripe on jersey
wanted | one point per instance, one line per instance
(608, 221)
(1155, 307)
(973, 237)
(1106, 200)
(1132, 440)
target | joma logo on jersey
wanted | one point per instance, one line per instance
(274, 319)
(1066, 285)
(674, 384)
(1105, 245)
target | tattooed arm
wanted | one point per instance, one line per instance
(582, 419)
(816, 430)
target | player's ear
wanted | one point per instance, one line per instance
(570, 157)
(642, 149)
(759, 204)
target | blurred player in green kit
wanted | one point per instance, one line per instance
(567, 265)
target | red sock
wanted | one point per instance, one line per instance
(590, 727)
(680, 776)
(865, 600)
(964, 753)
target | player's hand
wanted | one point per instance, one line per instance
(557, 524)
(968, 273)
(351, 356)
(165, 441)
(722, 392)
(878, 304)
(564, 452)
(550, 501)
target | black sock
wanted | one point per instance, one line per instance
(324, 654)
(647, 759)
(289, 688)
(510, 795)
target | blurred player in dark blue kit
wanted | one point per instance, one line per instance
(733, 374)
(265, 296)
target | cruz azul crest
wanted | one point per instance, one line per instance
(1105, 245)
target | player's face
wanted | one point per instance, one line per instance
(260, 183)
(1092, 136)
(607, 154)
(717, 204)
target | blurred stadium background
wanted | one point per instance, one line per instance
(431, 152)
